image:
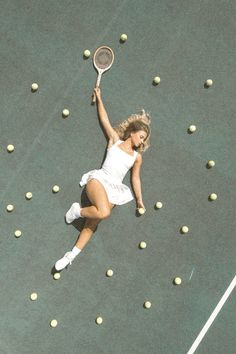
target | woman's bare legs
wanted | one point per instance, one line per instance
(88, 230)
(101, 207)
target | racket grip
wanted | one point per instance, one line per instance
(93, 98)
(97, 85)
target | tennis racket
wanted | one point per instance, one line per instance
(102, 60)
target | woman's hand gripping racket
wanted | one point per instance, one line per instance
(102, 60)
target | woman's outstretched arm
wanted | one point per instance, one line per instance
(136, 181)
(104, 120)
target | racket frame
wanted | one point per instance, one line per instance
(99, 70)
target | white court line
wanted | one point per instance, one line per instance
(191, 274)
(213, 316)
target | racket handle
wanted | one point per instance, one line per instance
(93, 98)
(97, 85)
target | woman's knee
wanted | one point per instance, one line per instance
(104, 212)
(98, 197)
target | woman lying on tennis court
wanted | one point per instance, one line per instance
(104, 187)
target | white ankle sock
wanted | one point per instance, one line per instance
(75, 251)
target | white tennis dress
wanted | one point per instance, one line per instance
(112, 173)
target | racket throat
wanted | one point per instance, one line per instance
(98, 79)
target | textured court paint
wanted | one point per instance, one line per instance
(184, 43)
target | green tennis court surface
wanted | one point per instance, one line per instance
(184, 43)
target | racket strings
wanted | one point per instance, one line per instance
(103, 58)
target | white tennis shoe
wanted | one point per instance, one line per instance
(73, 213)
(64, 261)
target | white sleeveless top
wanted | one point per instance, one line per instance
(116, 165)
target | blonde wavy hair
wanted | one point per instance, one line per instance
(134, 123)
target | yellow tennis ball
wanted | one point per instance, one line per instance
(209, 82)
(34, 296)
(185, 229)
(99, 320)
(211, 163)
(65, 112)
(10, 207)
(156, 80)
(34, 86)
(87, 53)
(55, 189)
(178, 281)
(56, 276)
(147, 304)
(213, 196)
(159, 205)
(10, 148)
(142, 244)
(124, 37)
(192, 128)
(110, 273)
(53, 323)
(28, 195)
(141, 211)
(17, 233)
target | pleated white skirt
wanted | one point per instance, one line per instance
(117, 192)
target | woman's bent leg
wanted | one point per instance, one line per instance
(85, 235)
(101, 207)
